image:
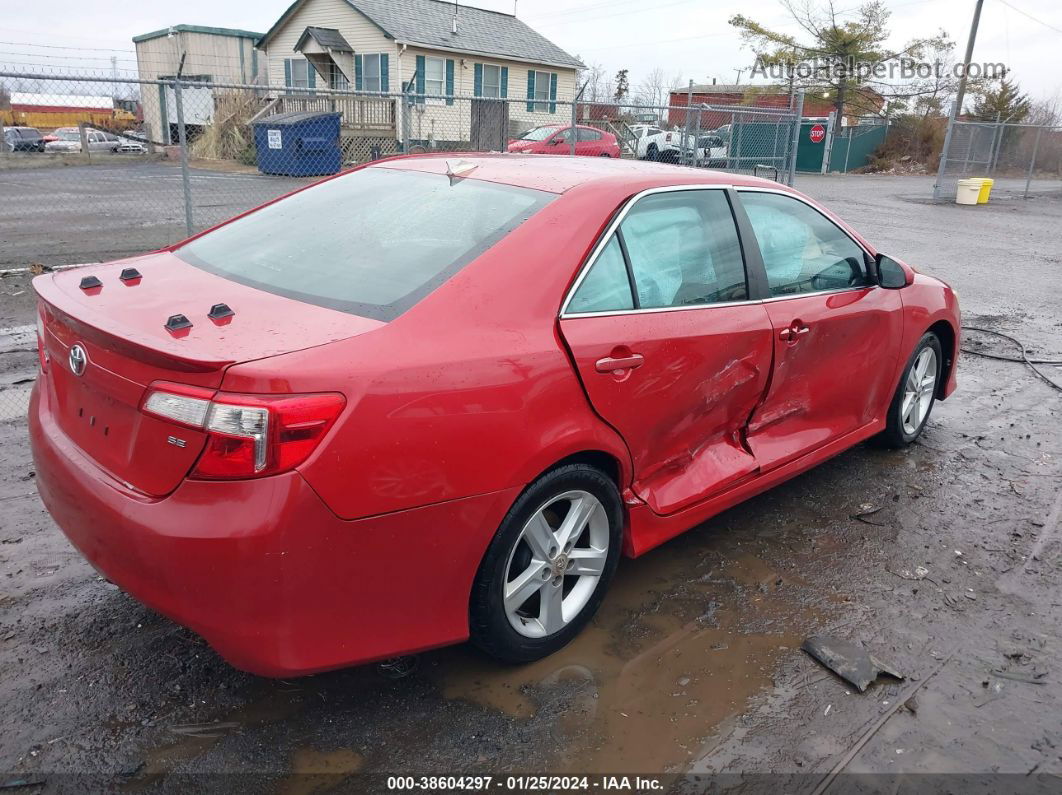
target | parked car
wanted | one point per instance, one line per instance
(711, 151)
(68, 139)
(22, 139)
(555, 139)
(429, 400)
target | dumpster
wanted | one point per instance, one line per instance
(300, 144)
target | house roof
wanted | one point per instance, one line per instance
(731, 88)
(329, 38)
(234, 32)
(428, 23)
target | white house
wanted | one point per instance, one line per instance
(455, 60)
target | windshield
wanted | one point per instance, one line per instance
(372, 243)
(539, 133)
(67, 135)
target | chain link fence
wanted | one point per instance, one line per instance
(1027, 156)
(95, 167)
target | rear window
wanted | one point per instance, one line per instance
(371, 243)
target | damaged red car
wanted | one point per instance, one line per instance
(430, 400)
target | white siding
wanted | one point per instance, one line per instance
(443, 122)
(362, 35)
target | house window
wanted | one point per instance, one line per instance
(299, 71)
(336, 79)
(491, 81)
(370, 73)
(434, 76)
(542, 92)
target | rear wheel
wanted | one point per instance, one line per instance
(604, 154)
(547, 569)
(915, 394)
(652, 153)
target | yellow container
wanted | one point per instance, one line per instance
(986, 190)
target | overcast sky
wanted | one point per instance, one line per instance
(686, 38)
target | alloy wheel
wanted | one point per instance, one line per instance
(556, 564)
(919, 389)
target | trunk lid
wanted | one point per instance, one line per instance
(121, 327)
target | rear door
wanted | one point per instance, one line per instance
(670, 350)
(836, 334)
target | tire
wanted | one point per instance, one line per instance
(906, 421)
(525, 629)
(652, 153)
(604, 154)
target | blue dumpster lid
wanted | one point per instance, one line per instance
(297, 117)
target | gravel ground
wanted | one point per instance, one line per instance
(944, 559)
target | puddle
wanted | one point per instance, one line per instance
(319, 771)
(682, 642)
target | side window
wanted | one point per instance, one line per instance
(803, 251)
(684, 250)
(588, 135)
(605, 287)
(564, 135)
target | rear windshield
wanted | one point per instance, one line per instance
(371, 243)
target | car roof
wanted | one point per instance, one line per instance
(561, 174)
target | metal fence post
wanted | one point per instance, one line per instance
(827, 149)
(696, 138)
(683, 157)
(83, 135)
(575, 120)
(938, 186)
(182, 137)
(1032, 162)
(798, 113)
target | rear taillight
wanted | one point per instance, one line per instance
(247, 435)
(42, 353)
(668, 138)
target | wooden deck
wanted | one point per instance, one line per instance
(358, 115)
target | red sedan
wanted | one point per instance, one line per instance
(556, 139)
(431, 400)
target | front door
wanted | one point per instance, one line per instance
(671, 352)
(836, 335)
(490, 125)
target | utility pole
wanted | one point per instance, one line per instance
(969, 56)
(956, 106)
(739, 73)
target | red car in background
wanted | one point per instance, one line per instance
(429, 400)
(555, 139)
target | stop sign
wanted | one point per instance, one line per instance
(818, 132)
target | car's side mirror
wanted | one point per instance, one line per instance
(556, 141)
(891, 274)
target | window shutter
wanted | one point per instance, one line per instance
(358, 80)
(420, 80)
(553, 92)
(385, 75)
(287, 72)
(311, 75)
(449, 81)
(477, 82)
(504, 82)
(530, 90)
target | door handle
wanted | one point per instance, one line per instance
(610, 364)
(794, 332)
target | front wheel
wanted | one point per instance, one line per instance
(547, 569)
(915, 394)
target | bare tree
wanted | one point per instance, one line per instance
(655, 89)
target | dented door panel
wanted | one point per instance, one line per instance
(682, 407)
(834, 356)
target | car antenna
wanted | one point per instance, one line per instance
(459, 169)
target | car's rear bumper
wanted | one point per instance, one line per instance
(263, 570)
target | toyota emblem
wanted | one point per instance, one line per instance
(78, 360)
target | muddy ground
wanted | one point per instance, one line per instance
(944, 559)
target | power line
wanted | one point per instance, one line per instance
(1030, 16)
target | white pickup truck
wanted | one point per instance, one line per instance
(654, 143)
